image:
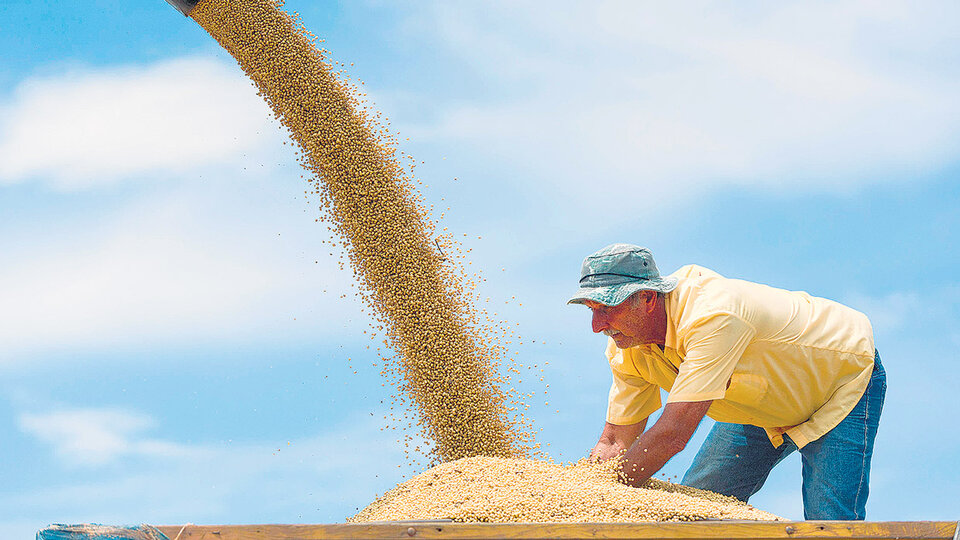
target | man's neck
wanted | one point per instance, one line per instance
(660, 318)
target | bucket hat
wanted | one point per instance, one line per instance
(612, 274)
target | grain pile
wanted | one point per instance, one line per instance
(498, 490)
(447, 361)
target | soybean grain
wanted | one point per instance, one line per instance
(502, 490)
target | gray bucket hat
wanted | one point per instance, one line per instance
(612, 274)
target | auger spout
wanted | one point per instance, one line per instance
(183, 5)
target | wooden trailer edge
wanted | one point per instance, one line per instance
(872, 530)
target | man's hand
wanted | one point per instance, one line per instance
(662, 441)
(606, 450)
(615, 440)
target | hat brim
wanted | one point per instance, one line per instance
(613, 295)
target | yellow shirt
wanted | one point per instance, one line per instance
(781, 360)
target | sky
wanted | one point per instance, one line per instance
(177, 344)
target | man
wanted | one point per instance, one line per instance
(778, 370)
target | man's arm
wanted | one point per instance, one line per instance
(616, 439)
(662, 441)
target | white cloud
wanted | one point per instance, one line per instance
(319, 478)
(198, 265)
(913, 314)
(682, 99)
(96, 437)
(889, 312)
(96, 126)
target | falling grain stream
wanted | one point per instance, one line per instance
(447, 361)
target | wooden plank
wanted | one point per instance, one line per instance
(705, 530)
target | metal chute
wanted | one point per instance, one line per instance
(183, 5)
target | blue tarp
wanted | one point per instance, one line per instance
(94, 531)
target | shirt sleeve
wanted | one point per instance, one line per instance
(713, 345)
(632, 399)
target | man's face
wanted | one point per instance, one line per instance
(628, 323)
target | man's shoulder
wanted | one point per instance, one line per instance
(695, 275)
(694, 271)
(702, 292)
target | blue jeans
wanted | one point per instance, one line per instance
(736, 459)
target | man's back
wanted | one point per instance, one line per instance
(776, 315)
(783, 360)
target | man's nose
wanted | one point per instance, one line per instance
(599, 322)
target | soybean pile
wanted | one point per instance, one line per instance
(502, 490)
(418, 299)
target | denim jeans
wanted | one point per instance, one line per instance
(736, 459)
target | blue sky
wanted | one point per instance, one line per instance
(173, 341)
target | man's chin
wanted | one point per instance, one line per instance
(625, 342)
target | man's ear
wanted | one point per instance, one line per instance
(649, 300)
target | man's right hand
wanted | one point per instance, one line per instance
(605, 450)
(615, 440)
